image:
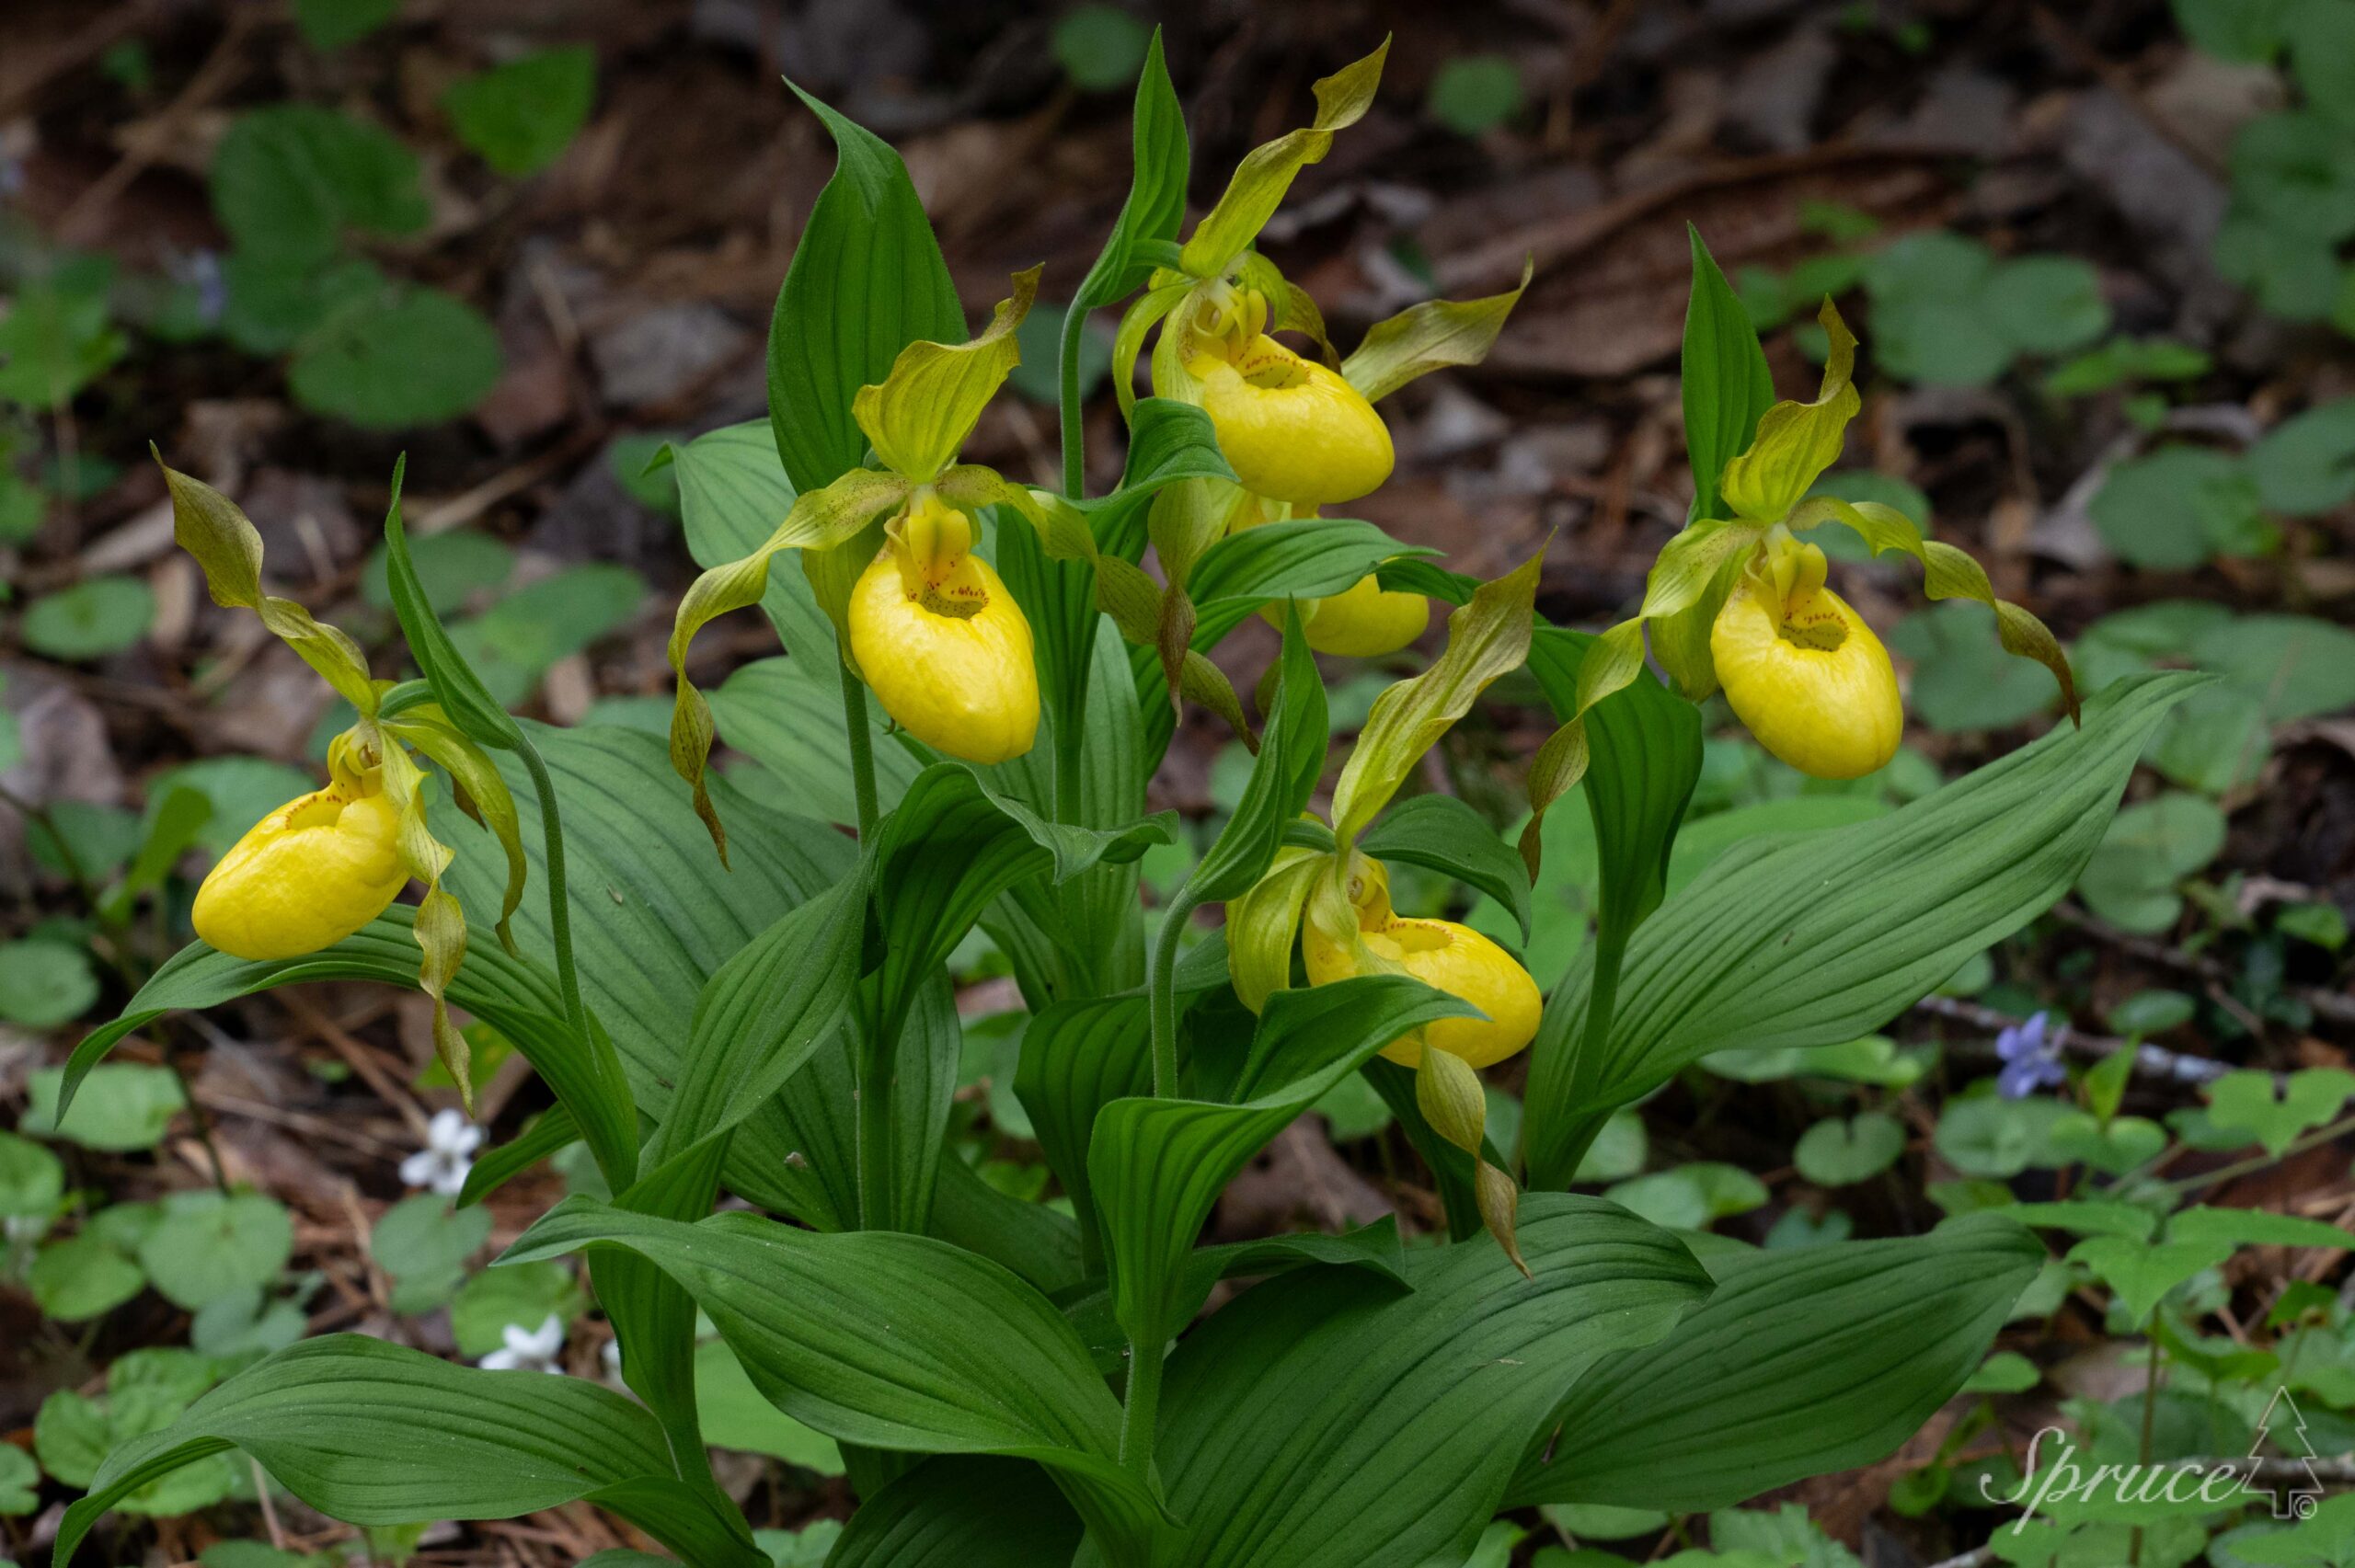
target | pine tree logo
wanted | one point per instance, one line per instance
(2298, 1491)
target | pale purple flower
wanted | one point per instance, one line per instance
(2031, 1057)
(201, 271)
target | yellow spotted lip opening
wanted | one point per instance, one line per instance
(305, 876)
(948, 654)
(1453, 959)
(1291, 429)
(1807, 677)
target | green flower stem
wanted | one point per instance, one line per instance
(1067, 384)
(862, 748)
(1140, 1411)
(1070, 742)
(1161, 1000)
(567, 977)
(876, 1186)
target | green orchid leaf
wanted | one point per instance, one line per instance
(1800, 1364)
(866, 281)
(490, 1446)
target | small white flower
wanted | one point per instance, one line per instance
(611, 1354)
(527, 1350)
(441, 1165)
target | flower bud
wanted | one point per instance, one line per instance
(306, 875)
(941, 642)
(1291, 429)
(1802, 670)
(1366, 621)
(1455, 959)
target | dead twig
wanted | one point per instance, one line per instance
(2335, 1006)
(2150, 1061)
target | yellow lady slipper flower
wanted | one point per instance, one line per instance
(1802, 668)
(1453, 959)
(1291, 428)
(306, 875)
(1367, 621)
(1738, 602)
(941, 642)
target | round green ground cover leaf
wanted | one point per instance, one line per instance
(98, 837)
(452, 566)
(513, 644)
(2293, 170)
(1998, 1139)
(2150, 848)
(91, 619)
(242, 791)
(329, 25)
(1474, 93)
(2247, 33)
(423, 1243)
(1836, 1153)
(290, 178)
(2305, 465)
(55, 339)
(2046, 305)
(524, 1297)
(2151, 1012)
(519, 117)
(274, 300)
(1100, 47)
(2294, 274)
(2294, 666)
(122, 1107)
(82, 1278)
(44, 983)
(1690, 1197)
(1963, 678)
(208, 1244)
(1938, 341)
(19, 1481)
(31, 1179)
(145, 1389)
(2178, 508)
(408, 356)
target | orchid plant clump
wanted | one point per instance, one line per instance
(720, 993)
